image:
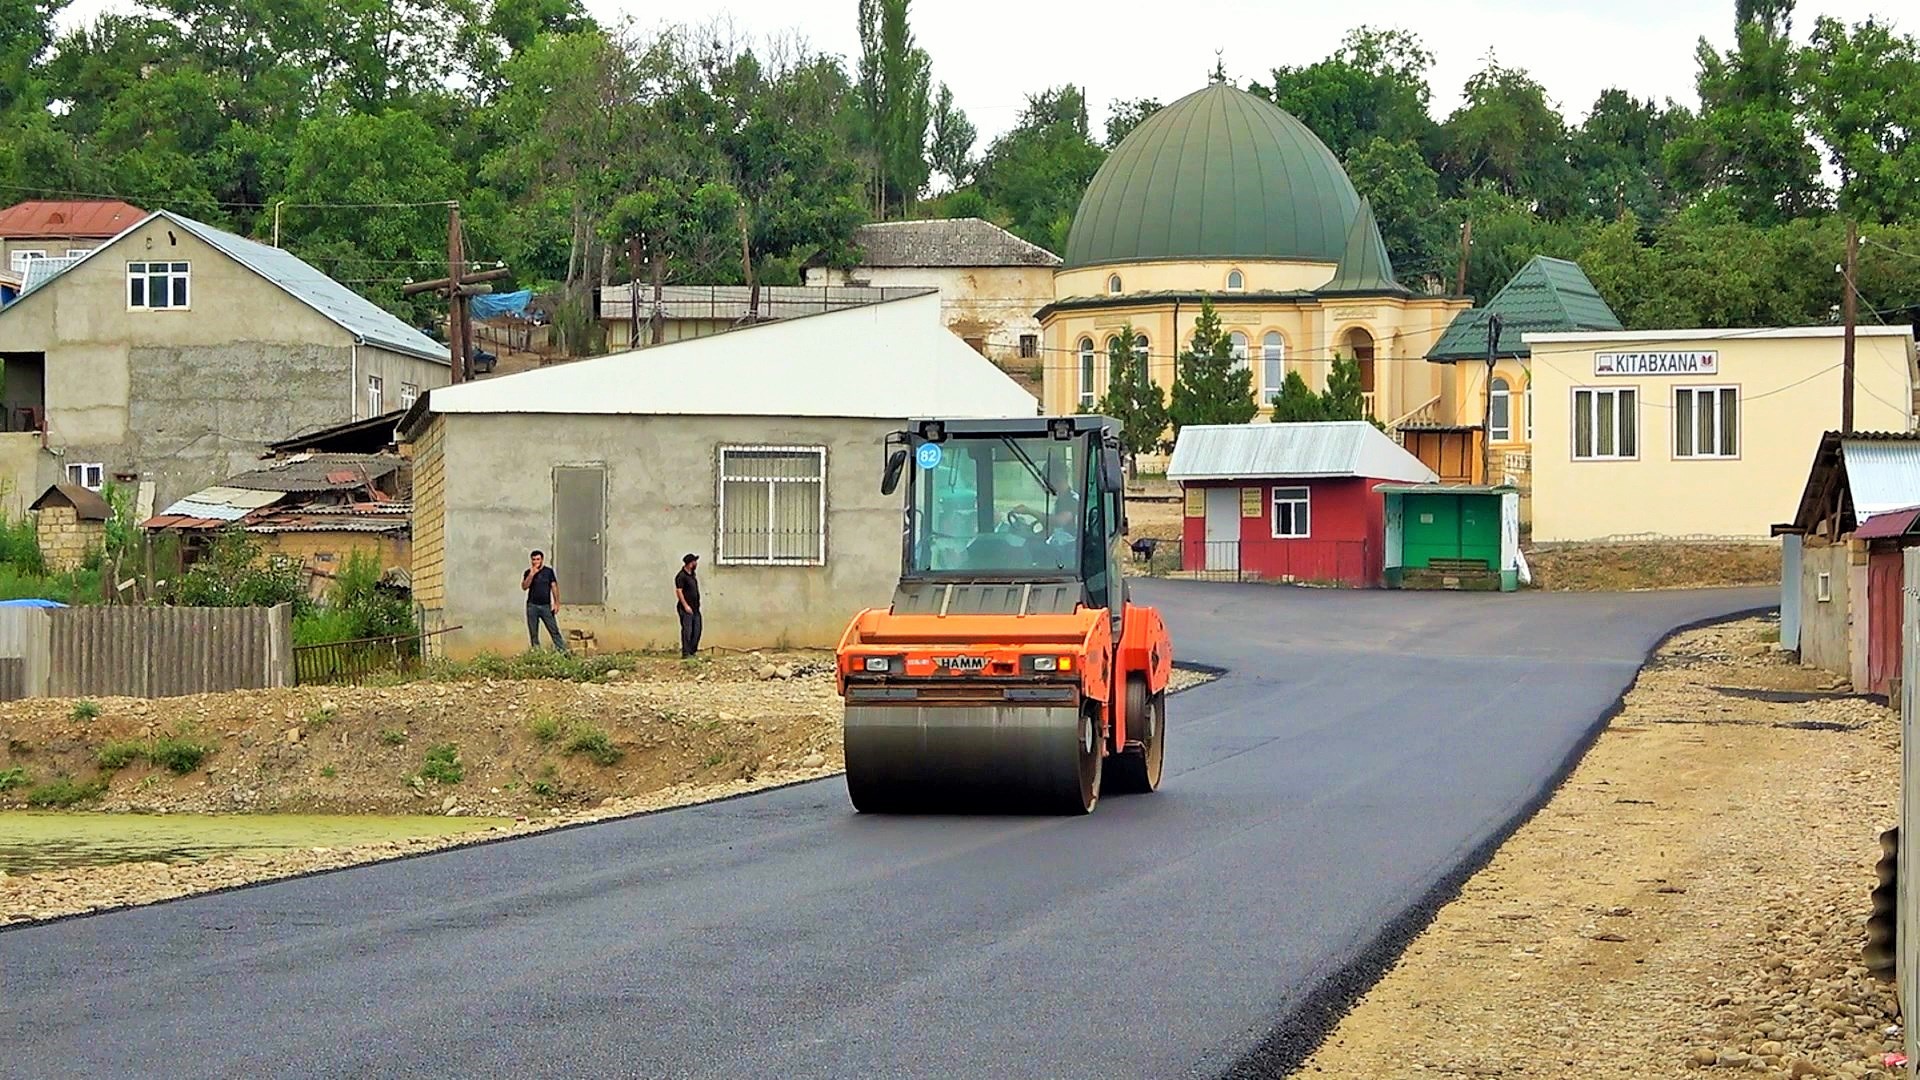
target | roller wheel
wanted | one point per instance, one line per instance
(1093, 752)
(1136, 770)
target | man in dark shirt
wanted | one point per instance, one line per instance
(543, 601)
(686, 596)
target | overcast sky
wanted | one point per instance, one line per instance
(993, 52)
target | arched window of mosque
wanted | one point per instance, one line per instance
(1113, 283)
(1236, 281)
(1140, 354)
(1500, 411)
(1239, 349)
(1086, 373)
(1273, 364)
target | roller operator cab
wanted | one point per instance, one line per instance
(1010, 674)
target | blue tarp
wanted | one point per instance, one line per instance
(512, 303)
(31, 603)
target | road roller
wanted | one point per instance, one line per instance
(1010, 674)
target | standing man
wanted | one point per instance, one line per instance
(686, 595)
(543, 601)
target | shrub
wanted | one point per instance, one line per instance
(328, 772)
(543, 664)
(20, 546)
(85, 709)
(15, 777)
(356, 608)
(118, 755)
(235, 573)
(62, 792)
(442, 765)
(545, 727)
(177, 753)
(595, 744)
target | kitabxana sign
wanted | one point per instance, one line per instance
(1656, 363)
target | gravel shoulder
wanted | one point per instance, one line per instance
(1693, 899)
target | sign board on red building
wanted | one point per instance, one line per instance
(1657, 363)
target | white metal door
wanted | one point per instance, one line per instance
(1223, 528)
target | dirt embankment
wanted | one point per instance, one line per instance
(1625, 567)
(1692, 900)
(487, 746)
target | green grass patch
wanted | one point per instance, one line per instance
(321, 716)
(393, 737)
(62, 792)
(543, 664)
(177, 753)
(546, 727)
(595, 744)
(119, 754)
(442, 764)
(84, 709)
(713, 759)
(15, 777)
(328, 772)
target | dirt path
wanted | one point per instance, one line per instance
(1692, 899)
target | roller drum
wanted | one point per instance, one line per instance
(972, 759)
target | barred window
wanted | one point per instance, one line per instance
(773, 506)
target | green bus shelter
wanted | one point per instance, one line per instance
(1453, 536)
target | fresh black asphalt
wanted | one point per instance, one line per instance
(1365, 750)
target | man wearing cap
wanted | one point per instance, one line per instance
(686, 595)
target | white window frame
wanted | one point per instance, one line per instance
(173, 273)
(1242, 347)
(24, 256)
(376, 395)
(409, 394)
(75, 253)
(1273, 364)
(78, 471)
(1300, 499)
(1085, 376)
(1113, 284)
(1573, 427)
(1236, 281)
(1718, 394)
(1142, 353)
(1823, 588)
(721, 478)
(1499, 389)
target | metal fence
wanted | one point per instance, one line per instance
(351, 662)
(143, 651)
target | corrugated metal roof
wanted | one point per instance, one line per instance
(1275, 451)
(40, 271)
(1882, 474)
(68, 217)
(222, 503)
(317, 472)
(891, 361)
(1888, 523)
(946, 242)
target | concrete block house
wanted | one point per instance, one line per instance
(172, 354)
(1289, 502)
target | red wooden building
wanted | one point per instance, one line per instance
(1289, 502)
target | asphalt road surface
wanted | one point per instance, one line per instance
(1317, 799)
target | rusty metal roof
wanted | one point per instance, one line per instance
(318, 472)
(91, 218)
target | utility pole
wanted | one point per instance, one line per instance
(276, 222)
(1849, 315)
(633, 291)
(458, 285)
(1466, 242)
(1486, 427)
(659, 317)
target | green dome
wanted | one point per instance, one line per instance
(1219, 174)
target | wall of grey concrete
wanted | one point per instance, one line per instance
(1825, 625)
(26, 470)
(395, 370)
(662, 496)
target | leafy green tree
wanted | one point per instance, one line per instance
(1133, 398)
(1861, 91)
(1405, 194)
(1297, 403)
(1037, 171)
(1509, 136)
(1374, 86)
(1750, 146)
(1619, 156)
(1342, 399)
(1211, 385)
(895, 91)
(951, 148)
(1124, 115)
(26, 31)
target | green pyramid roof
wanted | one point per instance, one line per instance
(1545, 295)
(1365, 267)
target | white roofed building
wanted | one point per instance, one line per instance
(758, 449)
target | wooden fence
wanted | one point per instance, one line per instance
(143, 651)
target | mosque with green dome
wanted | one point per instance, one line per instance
(1224, 197)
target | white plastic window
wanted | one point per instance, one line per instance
(773, 506)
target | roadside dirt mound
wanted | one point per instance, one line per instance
(1623, 567)
(489, 746)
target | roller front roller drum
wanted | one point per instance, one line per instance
(979, 759)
